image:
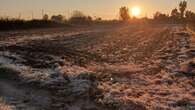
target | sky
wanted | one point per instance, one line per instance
(107, 9)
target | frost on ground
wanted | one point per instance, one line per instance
(143, 67)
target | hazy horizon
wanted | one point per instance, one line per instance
(106, 9)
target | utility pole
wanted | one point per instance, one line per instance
(19, 16)
(42, 13)
(32, 15)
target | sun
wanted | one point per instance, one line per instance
(135, 11)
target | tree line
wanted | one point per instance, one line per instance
(177, 15)
(76, 17)
(59, 20)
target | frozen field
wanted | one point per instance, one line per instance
(104, 67)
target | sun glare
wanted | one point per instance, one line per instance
(135, 11)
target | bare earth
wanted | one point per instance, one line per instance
(104, 67)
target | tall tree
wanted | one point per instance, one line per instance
(124, 13)
(182, 8)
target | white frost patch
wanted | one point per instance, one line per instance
(26, 72)
(4, 60)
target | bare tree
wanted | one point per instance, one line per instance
(79, 18)
(182, 7)
(77, 14)
(124, 13)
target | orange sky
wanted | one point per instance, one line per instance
(107, 9)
